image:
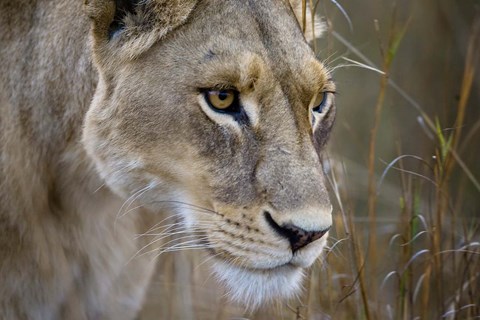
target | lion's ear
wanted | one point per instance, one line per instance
(313, 30)
(129, 27)
(123, 8)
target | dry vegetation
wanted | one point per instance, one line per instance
(404, 172)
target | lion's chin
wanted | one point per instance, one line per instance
(254, 287)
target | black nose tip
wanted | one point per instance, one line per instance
(298, 237)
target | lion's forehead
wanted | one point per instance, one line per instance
(258, 38)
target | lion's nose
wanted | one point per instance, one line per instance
(298, 237)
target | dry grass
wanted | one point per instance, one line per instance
(403, 170)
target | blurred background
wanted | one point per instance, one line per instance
(403, 167)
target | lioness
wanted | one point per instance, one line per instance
(212, 111)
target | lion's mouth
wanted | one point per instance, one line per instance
(254, 272)
(277, 260)
(267, 269)
(254, 261)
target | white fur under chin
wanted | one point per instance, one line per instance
(252, 288)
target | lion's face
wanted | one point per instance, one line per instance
(222, 122)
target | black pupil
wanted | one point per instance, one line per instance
(222, 95)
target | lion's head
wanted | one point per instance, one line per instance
(223, 107)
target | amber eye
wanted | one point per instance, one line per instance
(221, 100)
(320, 102)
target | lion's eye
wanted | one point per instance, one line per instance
(320, 102)
(222, 100)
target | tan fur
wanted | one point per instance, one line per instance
(91, 122)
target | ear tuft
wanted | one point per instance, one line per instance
(122, 9)
(313, 30)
